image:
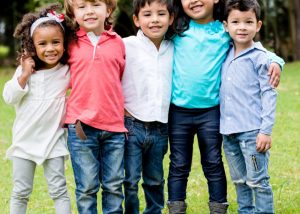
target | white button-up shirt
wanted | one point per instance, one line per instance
(147, 79)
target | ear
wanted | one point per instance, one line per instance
(108, 12)
(171, 19)
(225, 26)
(136, 21)
(259, 24)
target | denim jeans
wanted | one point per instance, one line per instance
(249, 172)
(183, 125)
(97, 160)
(145, 148)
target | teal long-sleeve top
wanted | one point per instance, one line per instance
(198, 57)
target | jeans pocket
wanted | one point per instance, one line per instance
(129, 124)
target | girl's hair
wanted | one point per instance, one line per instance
(139, 4)
(182, 20)
(22, 32)
(111, 4)
(242, 5)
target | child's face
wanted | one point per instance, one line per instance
(242, 26)
(154, 20)
(91, 15)
(200, 11)
(49, 44)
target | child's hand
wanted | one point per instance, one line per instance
(263, 142)
(27, 64)
(274, 73)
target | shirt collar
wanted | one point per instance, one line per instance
(145, 40)
(81, 32)
(255, 45)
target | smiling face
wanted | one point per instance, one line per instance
(242, 27)
(154, 20)
(49, 44)
(91, 15)
(200, 11)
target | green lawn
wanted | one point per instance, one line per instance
(284, 162)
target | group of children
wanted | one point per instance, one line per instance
(184, 73)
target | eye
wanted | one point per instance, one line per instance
(147, 14)
(250, 22)
(56, 42)
(162, 13)
(41, 43)
(81, 6)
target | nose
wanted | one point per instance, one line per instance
(49, 47)
(155, 18)
(90, 9)
(242, 26)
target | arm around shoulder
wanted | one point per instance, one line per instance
(268, 96)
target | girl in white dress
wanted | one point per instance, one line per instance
(38, 93)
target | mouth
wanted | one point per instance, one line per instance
(51, 57)
(242, 34)
(196, 8)
(90, 19)
(155, 28)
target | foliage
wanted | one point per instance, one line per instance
(3, 51)
(284, 162)
(280, 30)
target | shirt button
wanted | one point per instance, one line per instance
(228, 78)
(228, 118)
(228, 98)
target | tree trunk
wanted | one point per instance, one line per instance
(297, 27)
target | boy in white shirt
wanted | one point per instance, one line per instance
(146, 84)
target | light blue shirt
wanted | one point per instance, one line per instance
(198, 57)
(247, 100)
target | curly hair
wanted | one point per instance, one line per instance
(22, 32)
(182, 20)
(111, 4)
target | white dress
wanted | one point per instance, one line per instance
(40, 107)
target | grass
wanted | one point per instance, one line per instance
(284, 165)
(3, 51)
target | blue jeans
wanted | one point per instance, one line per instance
(183, 125)
(97, 160)
(249, 172)
(145, 148)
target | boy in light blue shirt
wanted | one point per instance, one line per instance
(248, 103)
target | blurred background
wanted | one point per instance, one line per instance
(280, 32)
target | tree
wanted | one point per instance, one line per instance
(296, 13)
(11, 12)
(124, 25)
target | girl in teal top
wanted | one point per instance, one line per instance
(201, 44)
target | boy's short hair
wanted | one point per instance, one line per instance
(242, 5)
(111, 4)
(138, 4)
